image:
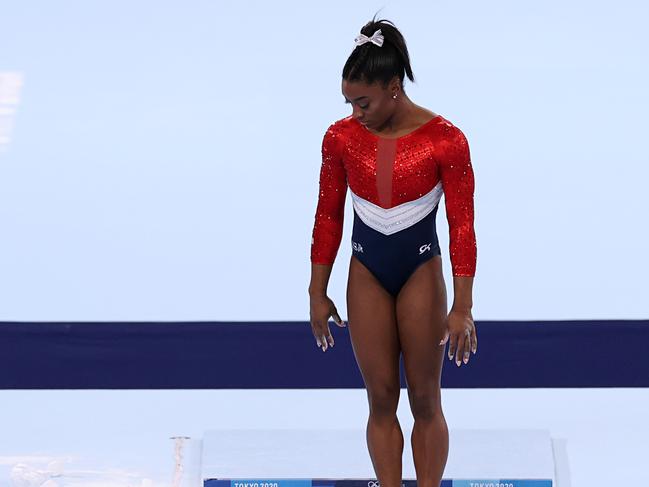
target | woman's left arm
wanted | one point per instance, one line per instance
(462, 293)
(456, 174)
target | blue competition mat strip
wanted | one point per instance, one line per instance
(245, 355)
(371, 483)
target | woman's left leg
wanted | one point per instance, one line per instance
(421, 310)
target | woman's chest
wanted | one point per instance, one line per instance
(389, 172)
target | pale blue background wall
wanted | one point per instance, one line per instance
(164, 156)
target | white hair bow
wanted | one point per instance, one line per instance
(377, 38)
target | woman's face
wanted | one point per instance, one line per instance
(371, 104)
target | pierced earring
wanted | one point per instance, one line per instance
(394, 96)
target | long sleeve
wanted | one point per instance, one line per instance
(458, 183)
(330, 211)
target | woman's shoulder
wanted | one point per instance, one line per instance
(342, 124)
(449, 129)
(341, 129)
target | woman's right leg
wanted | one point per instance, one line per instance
(371, 320)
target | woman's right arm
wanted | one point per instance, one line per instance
(319, 280)
(327, 235)
(328, 222)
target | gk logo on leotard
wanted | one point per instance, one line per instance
(373, 483)
(424, 248)
(357, 247)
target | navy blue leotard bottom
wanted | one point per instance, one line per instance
(393, 258)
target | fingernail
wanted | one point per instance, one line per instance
(457, 362)
(466, 360)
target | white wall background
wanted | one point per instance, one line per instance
(161, 161)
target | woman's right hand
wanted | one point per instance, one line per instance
(321, 309)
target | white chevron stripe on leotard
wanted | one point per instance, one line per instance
(392, 220)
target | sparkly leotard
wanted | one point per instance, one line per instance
(396, 185)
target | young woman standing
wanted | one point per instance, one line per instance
(397, 159)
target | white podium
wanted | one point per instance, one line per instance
(339, 458)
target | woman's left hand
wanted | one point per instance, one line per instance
(461, 330)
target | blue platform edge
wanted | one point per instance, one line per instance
(372, 483)
(269, 355)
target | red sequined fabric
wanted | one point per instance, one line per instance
(392, 171)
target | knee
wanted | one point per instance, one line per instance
(383, 400)
(424, 405)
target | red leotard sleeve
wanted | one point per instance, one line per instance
(330, 211)
(458, 182)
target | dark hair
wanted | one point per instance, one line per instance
(369, 62)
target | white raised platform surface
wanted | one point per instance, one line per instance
(474, 455)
